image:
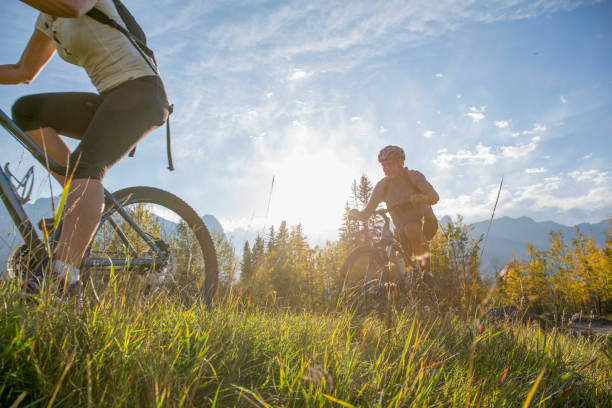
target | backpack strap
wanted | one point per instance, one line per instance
(143, 50)
(141, 47)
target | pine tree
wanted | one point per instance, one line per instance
(258, 251)
(271, 240)
(348, 229)
(364, 191)
(246, 267)
(226, 257)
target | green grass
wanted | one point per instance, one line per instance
(135, 350)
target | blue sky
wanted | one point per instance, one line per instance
(309, 91)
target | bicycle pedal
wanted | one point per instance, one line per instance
(48, 224)
(23, 187)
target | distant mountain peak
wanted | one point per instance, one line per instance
(213, 224)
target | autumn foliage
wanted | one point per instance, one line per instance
(569, 277)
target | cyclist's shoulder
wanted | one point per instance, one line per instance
(414, 176)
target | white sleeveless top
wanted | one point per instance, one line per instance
(106, 54)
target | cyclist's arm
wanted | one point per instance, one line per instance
(428, 194)
(36, 55)
(62, 8)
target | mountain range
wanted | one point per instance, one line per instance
(506, 238)
(509, 237)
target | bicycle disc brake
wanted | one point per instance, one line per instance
(23, 187)
(165, 266)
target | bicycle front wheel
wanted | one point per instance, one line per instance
(362, 278)
(189, 261)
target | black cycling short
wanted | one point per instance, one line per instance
(109, 125)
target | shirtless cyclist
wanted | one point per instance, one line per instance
(410, 196)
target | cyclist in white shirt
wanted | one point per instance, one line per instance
(131, 101)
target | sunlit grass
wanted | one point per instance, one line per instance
(138, 348)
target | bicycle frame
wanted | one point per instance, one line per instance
(27, 231)
(387, 244)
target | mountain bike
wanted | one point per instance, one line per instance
(381, 275)
(143, 230)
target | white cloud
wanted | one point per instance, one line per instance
(458, 96)
(597, 176)
(474, 205)
(502, 124)
(428, 134)
(515, 152)
(298, 75)
(483, 155)
(549, 195)
(356, 119)
(516, 134)
(439, 75)
(537, 128)
(536, 170)
(382, 130)
(477, 114)
(562, 99)
(553, 194)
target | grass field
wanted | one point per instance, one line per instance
(135, 350)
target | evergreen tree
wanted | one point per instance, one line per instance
(348, 228)
(226, 257)
(364, 191)
(257, 252)
(246, 267)
(271, 240)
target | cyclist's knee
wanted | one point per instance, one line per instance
(86, 169)
(22, 112)
(414, 239)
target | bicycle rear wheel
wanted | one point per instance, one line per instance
(189, 264)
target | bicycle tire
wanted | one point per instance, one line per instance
(361, 277)
(204, 291)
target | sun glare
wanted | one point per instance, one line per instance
(311, 188)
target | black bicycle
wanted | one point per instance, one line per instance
(143, 230)
(380, 274)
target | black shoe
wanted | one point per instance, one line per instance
(33, 280)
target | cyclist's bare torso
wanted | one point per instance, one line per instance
(399, 191)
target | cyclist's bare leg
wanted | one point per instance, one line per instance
(50, 142)
(82, 215)
(415, 244)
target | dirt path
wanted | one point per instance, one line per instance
(599, 327)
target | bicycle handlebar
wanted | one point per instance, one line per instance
(384, 211)
(29, 144)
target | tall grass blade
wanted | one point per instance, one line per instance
(19, 399)
(60, 207)
(533, 389)
(337, 401)
(61, 380)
